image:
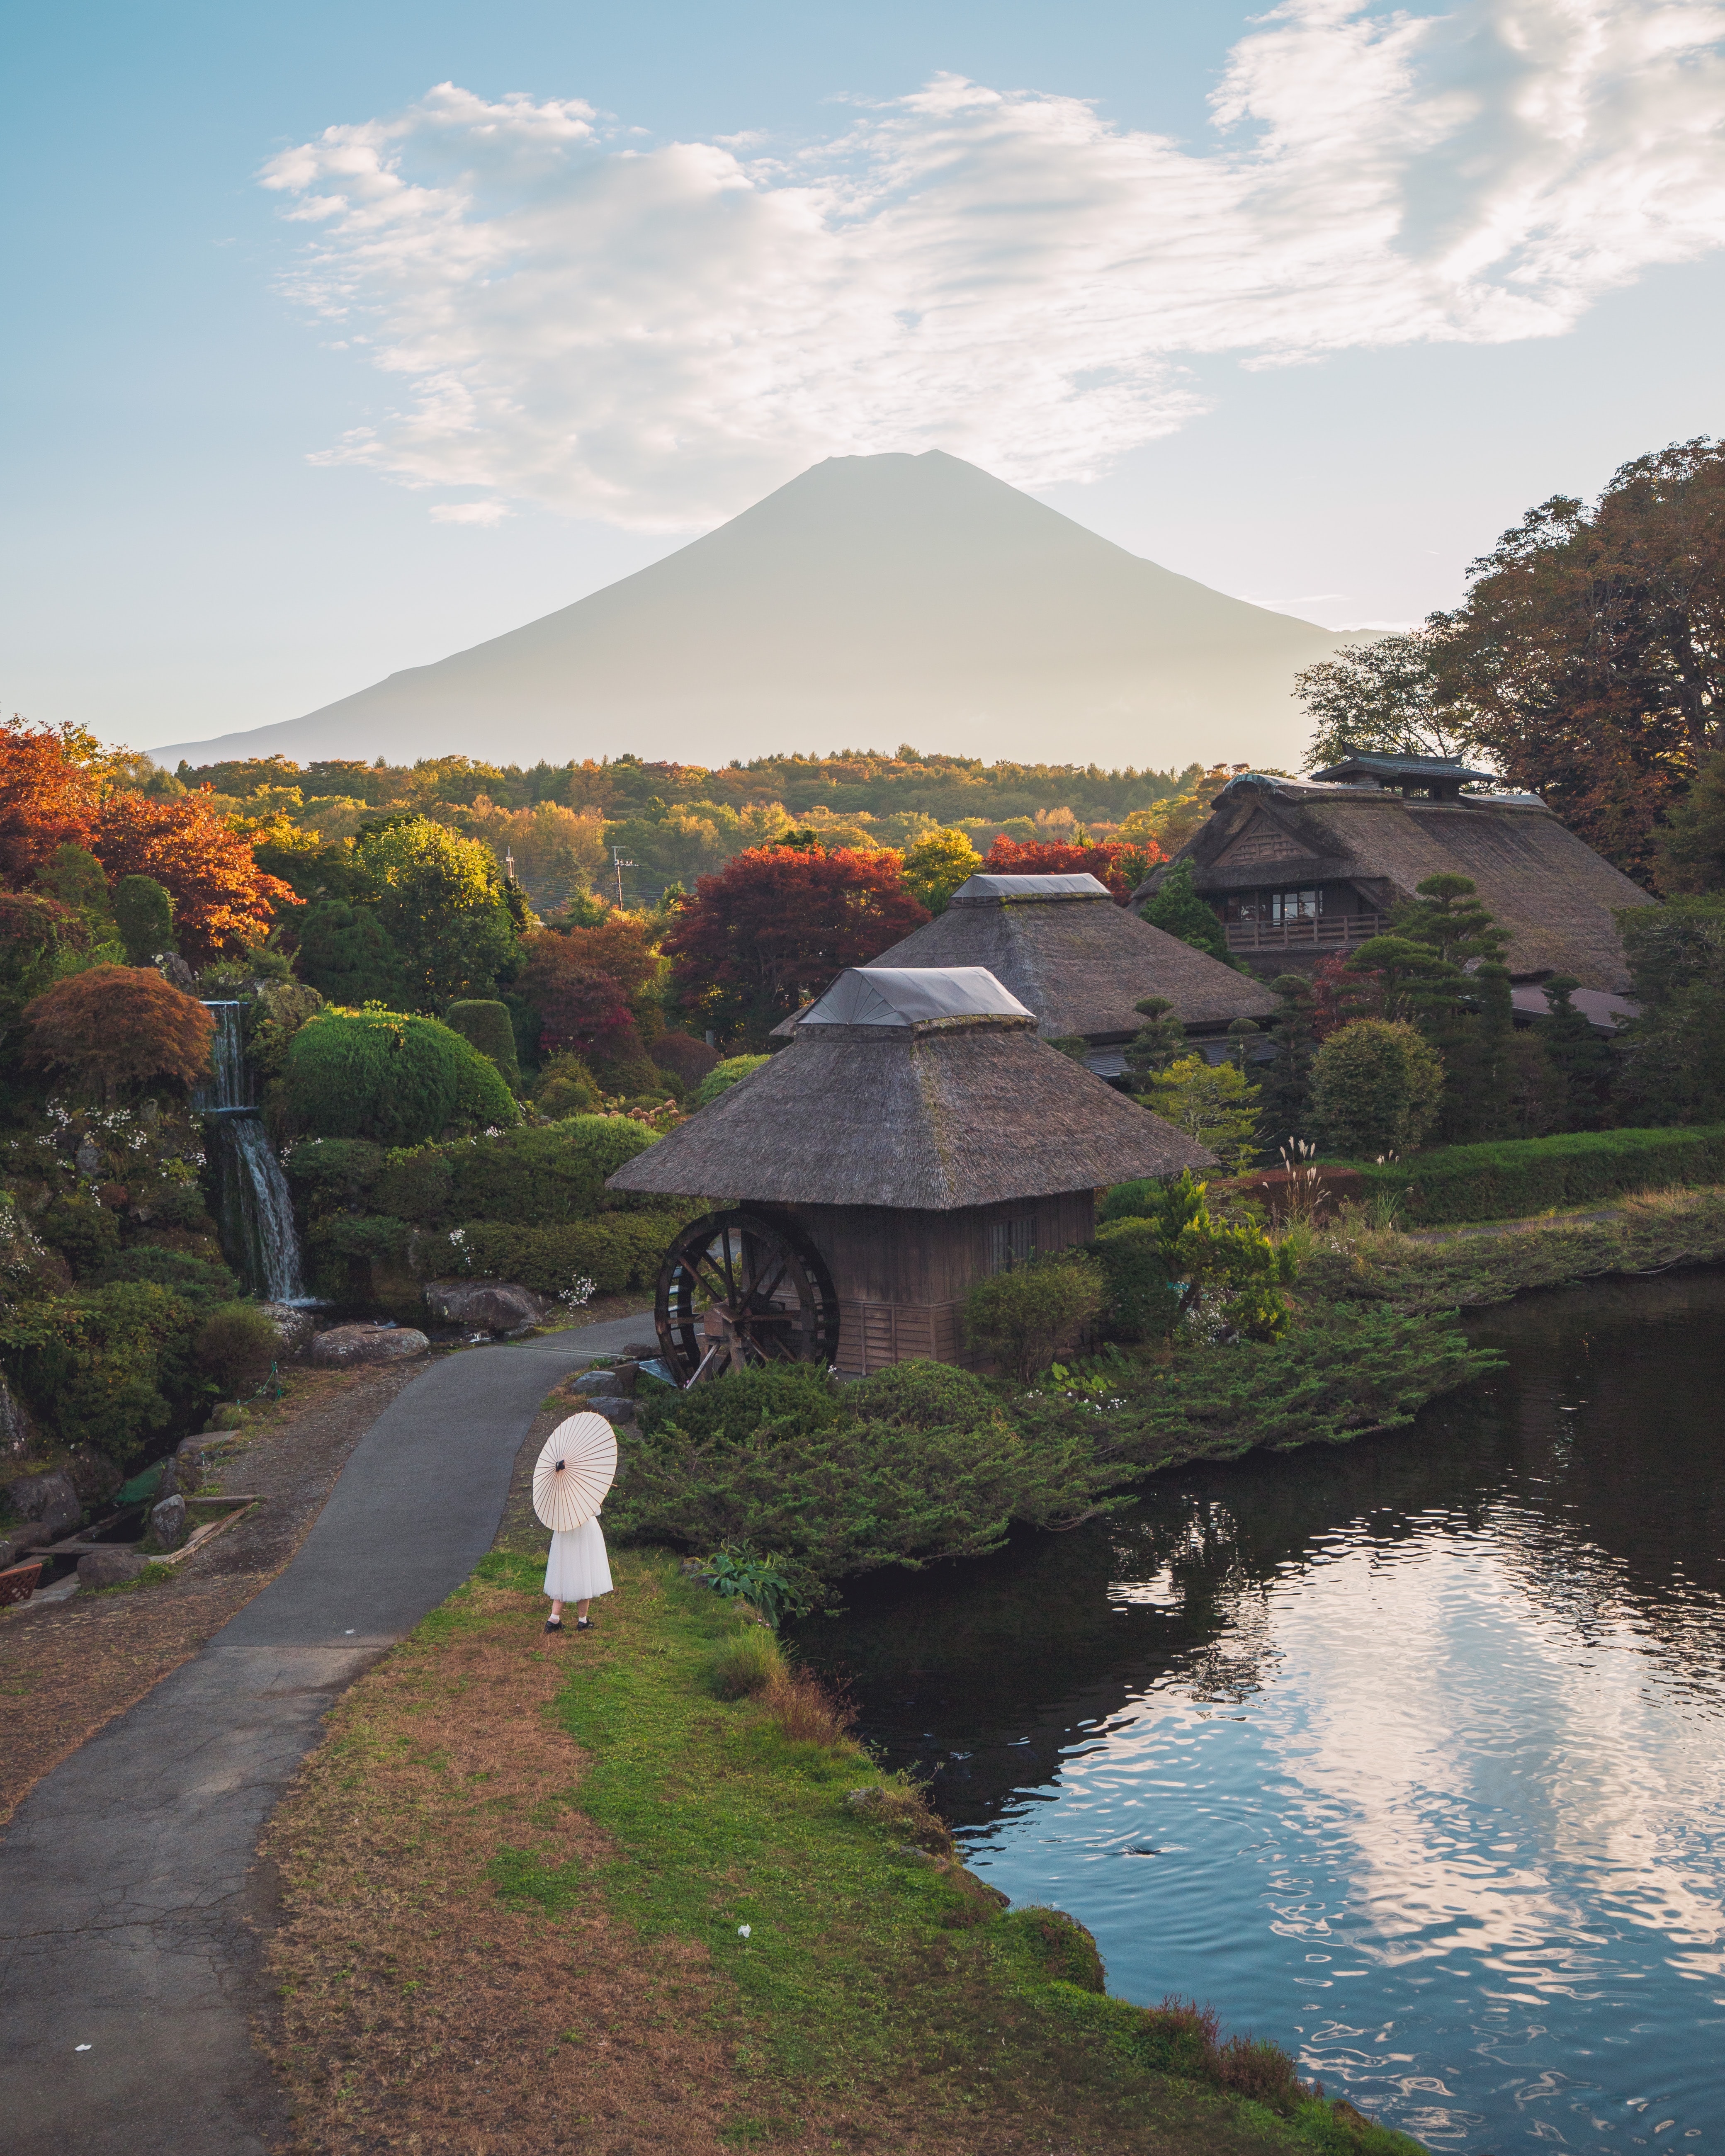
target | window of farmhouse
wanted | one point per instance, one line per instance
(1274, 905)
(1011, 1243)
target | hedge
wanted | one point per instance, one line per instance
(393, 1078)
(620, 1250)
(1515, 1178)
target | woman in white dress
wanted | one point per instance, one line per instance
(577, 1569)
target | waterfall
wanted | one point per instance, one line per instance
(257, 1213)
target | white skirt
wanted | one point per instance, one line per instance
(577, 1568)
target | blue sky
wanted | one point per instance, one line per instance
(1309, 305)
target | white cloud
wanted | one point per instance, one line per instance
(655, 335)
(470, 512)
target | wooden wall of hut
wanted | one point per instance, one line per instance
(902, 1276)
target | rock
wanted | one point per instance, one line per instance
(493, 1306)
(641, 1350)
(608, 1404)
(347, 1346)
(167, 1529)
(107, 1568)
(181, 1475)
(190, 1451)
(620, 1385)
(17, 1430)
(19, 1541)
(93, 1475)
(293, 1327)
(48, 1498)
(87, 1158)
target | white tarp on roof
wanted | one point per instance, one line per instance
(907, 995)
(1082, 886)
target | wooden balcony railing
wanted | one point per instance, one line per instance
(1330, 931)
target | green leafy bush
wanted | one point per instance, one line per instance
(1517, 1177)
(202, 1282)
(566, 1087)
(144, 914)
(619, 1251)
(335, 1171)
(1376, 1088)
(418, 1185)
(487, 1025)
(238, 1346)
(393, 1079)
(86, 1235)
(724, 1076)
(103, 1366)
(1131, 1201)
(347, 954)
(1233, 1262)
(1019, 1319)
(376, 1238)
(539, 1176)
(1143, 1302)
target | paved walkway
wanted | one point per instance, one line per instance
(127, 1961)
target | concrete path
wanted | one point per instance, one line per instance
(127, 1962)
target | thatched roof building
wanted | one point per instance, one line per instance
(1300, 870)
(921, 1136)
(1077, 961)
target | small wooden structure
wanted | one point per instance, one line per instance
(915, 1135)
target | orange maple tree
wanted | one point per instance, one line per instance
(223, 900)
(1007, 857)
(116, 1025)
(47, 799)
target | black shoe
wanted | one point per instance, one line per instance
(553, 1624)
(583, 1624)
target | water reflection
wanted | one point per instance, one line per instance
(1408, 1753)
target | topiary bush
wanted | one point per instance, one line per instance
(237, 1345)
(144, 914)
(487, 1026)
(1377, 1086)
(396, 1079)
(566, 1087)
(1512, 1177)
(688, 1059)
(1020, 1319)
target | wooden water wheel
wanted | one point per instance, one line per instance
(738, 1289)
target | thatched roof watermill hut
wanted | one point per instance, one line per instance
(1078, 962)
(915, 1135)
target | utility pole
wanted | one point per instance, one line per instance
(616, 856)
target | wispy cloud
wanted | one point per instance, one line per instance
(470, 512)
(655, 335)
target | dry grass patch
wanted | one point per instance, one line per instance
(449, 1977)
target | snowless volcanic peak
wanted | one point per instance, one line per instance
(873, 599)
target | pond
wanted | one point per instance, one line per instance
(1410, 1754)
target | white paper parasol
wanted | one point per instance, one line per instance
(574, 1472)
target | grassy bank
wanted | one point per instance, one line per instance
(515, 1882)
(1649, 1232)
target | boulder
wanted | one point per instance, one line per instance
(181, 1475)
(345, 1346)
(608, 1404)
(190, 1452)
(641, 1350)
(619, 1383)
(49, 1499)
(93, 1475)
(107, 1568)
(489, 1306)
(293, 1327)
(17, 1430)
(167, 1529)
(17, 1542)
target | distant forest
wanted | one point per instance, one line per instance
(560, 826)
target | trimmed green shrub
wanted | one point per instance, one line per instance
(1376, 1088)
(540, 1175)
(144, 915)
(620, 1250)
(793, 1396)
(375, 1237)
(724, 1076)
(238, 1346)
(1143, 1303)
(487, 1026)
(1131, 1201)
(202, 1282)
(566, 1087)
(1517, 1177)
(382, 1075)
(1019, 1319)
(335, 1171)
(418, 1186)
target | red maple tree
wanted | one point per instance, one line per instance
(1106, 861)
(581, 1007)
(117, 1026)
(776, 923)
(223, 900)
(47, 799)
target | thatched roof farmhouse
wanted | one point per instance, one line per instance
(1078, 962)
(1302, 869)
(920, 1135)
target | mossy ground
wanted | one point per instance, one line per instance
(514, 1878)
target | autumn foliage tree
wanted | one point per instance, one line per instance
(47, 798)
(1107, 862)
(581, 1007)
(774, 926)
(116, 1026)
(222, 900)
